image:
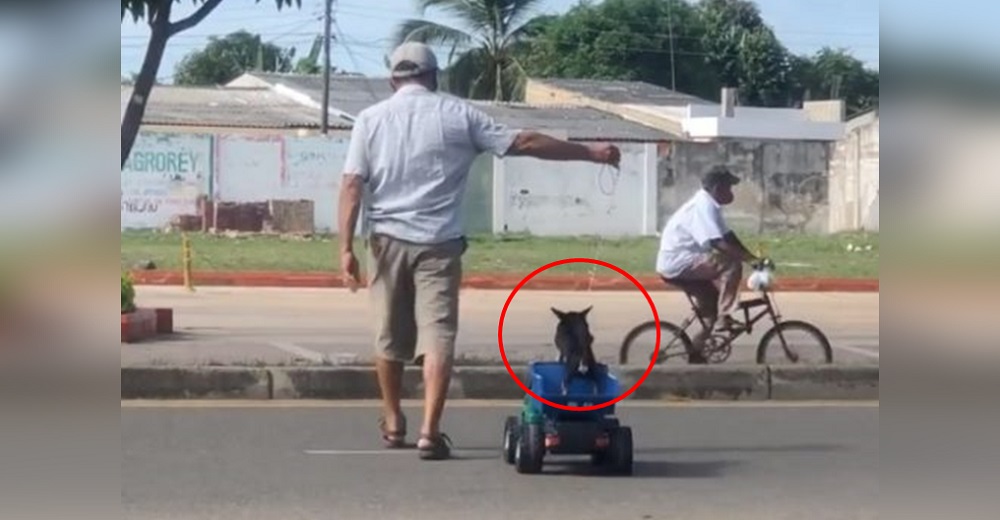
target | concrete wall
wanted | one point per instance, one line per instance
(783, 188)
(168, 173)
(164, 177)
(574, 198)
(872, 223)
(854, 179)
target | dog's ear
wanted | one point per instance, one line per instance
(560, 314)
(587, 311)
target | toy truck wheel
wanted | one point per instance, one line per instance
(530, 449)
(619, 454)
(510, 430)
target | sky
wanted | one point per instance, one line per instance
(363, 28)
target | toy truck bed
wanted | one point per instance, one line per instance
(546, 382)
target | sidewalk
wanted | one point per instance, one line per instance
(543, 281)
(282, 326)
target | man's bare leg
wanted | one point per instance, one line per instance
(730, 277)
(437, 378)
(438, 281)
(390, 381)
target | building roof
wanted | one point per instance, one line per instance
(348, 93)
(224, 107)
(624, 92)
(862, 120)
(579, 123)
(352, 94)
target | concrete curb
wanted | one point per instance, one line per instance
(481, 281)
(705, 383)
(196, 383)
(827, 382)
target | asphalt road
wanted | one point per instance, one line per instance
(319, 326)
(198, 461)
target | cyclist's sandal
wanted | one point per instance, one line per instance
(393, 439)
(730, 325)
(438, 448)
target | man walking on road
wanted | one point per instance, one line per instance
(411, 156)
(700, 254)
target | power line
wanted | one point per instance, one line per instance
(327, 27)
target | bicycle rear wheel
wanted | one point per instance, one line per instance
(674, 342)
(805, 343)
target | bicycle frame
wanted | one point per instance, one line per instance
(748, 322)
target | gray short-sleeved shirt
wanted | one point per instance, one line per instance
(414, 152)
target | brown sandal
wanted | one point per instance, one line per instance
(393, 439)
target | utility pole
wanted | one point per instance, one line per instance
(327, 36)
(673, 67)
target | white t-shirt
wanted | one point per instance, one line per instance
(688, 233)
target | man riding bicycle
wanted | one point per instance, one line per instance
(703, 257)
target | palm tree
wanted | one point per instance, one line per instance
(487, 67)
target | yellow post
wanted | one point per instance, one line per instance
(186, 262)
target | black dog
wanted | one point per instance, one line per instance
(575, 345)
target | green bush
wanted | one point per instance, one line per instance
(128, 294)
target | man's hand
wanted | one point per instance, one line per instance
(350, 270)
(605, 154)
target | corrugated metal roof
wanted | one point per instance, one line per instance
(624, 92)
(352, 94)
(579, 123)
(225, 107)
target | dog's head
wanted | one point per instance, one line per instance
(575, 324)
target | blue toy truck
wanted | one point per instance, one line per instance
(542, 430)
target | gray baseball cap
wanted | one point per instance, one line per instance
(412, 59)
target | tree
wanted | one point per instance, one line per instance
(835, 74)
(310, 64)
(224, 59)
(487, 66)
(157, 14)
(745, 51)
(656, 41)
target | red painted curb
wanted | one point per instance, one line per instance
(481, 281)
(146, 323)
(164, 321)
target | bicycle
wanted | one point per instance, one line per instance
(719, 345)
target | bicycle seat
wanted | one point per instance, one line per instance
(682, 284)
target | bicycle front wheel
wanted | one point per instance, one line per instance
(641, 342)
(796, 342)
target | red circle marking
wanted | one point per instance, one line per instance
(652, 359)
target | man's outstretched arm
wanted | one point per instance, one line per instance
(541, 146)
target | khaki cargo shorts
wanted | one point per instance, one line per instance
(414, 290)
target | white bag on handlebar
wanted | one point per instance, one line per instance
(760, 280)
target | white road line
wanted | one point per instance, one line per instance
(358, 452)
(298, 351)
(856, 350)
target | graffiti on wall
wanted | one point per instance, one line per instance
(795, 199)
(167, 173)
(163, 177)
(564, 199)
(315, 163)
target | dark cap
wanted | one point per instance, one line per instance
(717, 176)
